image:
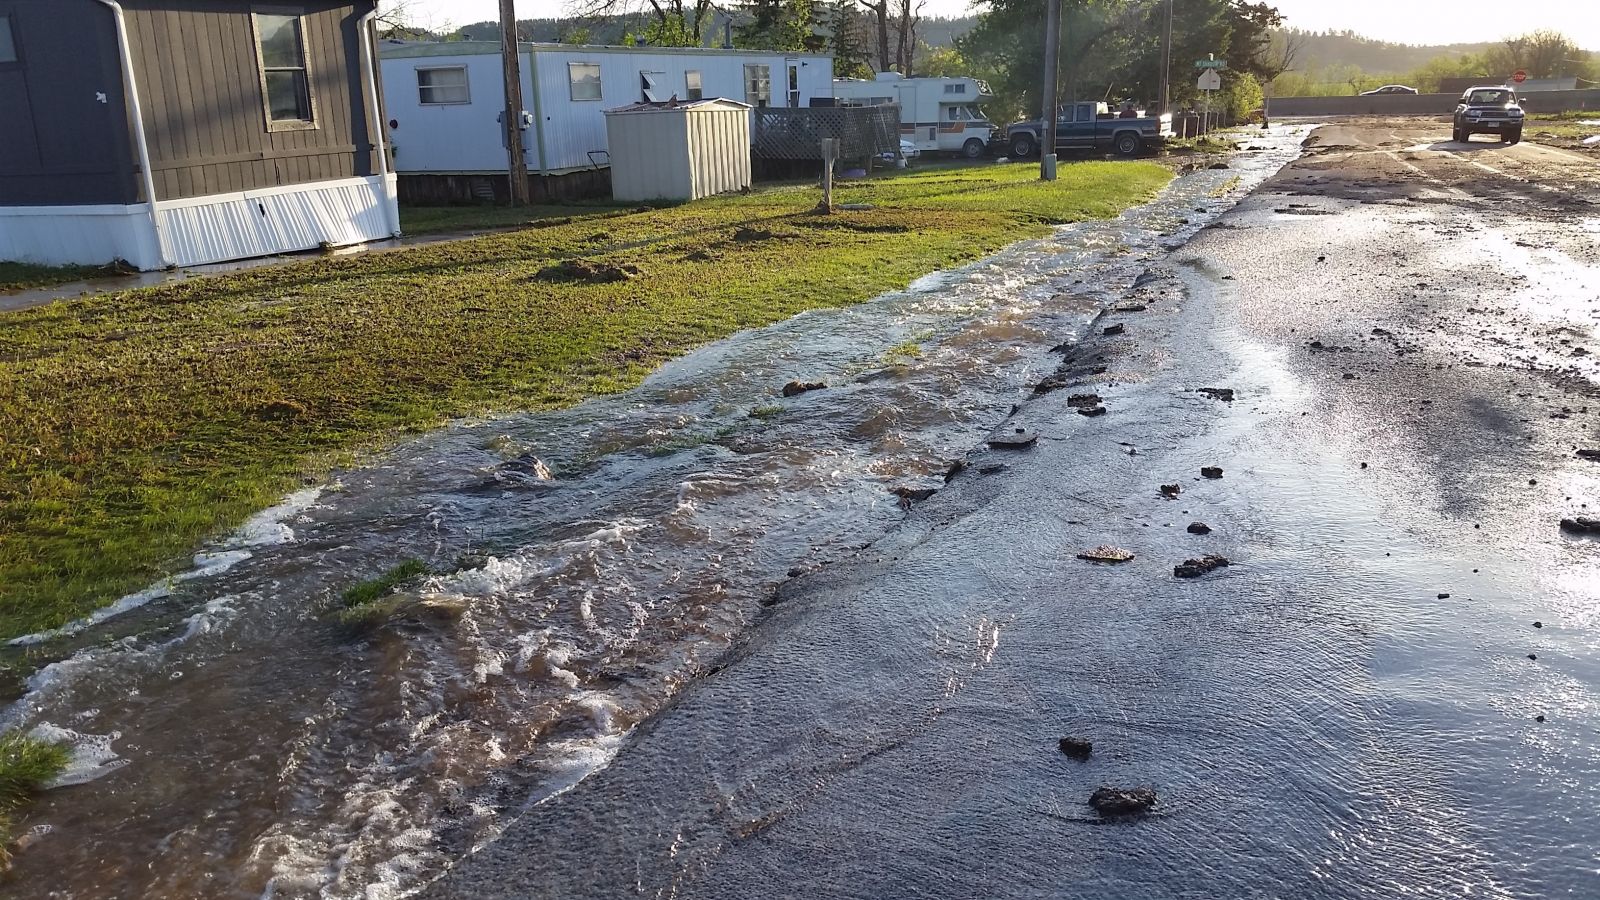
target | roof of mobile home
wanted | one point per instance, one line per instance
(476, 48)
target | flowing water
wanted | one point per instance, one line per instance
(232, 742)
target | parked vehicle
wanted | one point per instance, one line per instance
(1092, 126)
(1492, 109)
(1390, 89)
(936, 114)
(908, 151)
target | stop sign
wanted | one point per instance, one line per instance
(1520, 76)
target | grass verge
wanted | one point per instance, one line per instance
(134, 426)
(15, 276)
(421, 220)
(26, 765)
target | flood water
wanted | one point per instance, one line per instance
(232, 742)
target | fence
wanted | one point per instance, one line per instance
(1422, 104)
(863, 132)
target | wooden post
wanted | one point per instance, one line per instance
(1052, 60)
(511, 63)
(830, 156)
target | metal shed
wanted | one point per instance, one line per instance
(678, 151)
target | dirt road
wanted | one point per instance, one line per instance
(1394, 688)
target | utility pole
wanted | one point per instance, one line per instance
(1052, 63)
(1166, 64)
(511, 62)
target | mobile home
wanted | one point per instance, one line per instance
(174, 132)
(935, 113)
(446, 102)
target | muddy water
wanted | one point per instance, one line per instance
(233, 743)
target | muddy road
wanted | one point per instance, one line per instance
(1393, 689)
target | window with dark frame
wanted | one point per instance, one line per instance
(758, 85)
(443, 85)
(8, 41)
(691, 86)
(284, 79)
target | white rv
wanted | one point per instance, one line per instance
(935, 113)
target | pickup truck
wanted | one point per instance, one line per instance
(1092, 126)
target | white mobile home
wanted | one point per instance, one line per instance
(445, 101)
(935, 113)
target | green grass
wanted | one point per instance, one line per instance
(385, 584)
(134, 426)
(27, 764)
(16, 276)
(421, 220)
(374, 602)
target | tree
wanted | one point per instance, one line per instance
(673, 23)
(1545, 54)
(943, 62)
(880, 15)
(846, 39)
(908, 18)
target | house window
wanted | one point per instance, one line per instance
(585, 80)
(758, 85)
(442, 86)
(955, 88)
(691, 84)
(8, 43)
(281, 41)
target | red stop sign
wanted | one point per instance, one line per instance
(1520, 76)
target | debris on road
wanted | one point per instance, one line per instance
(1210, 471)
(1132, 308)
(1077, 748)
(1016, 440)
(1199, 528)
(1106, 554)
(1082, 401)
(1171, 491)
(1194, 568)
(796, 388)
(1091, 411)
(913, 495)
(1581, 525)
(1589, 453)
(1223, 394)
(1114, 330)
(1111, 802)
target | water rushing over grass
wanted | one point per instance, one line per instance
(134, 426)
(27, 764)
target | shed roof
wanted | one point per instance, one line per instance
(676, 105)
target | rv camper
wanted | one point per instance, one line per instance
(935, 113)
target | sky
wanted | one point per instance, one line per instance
(1402, 21)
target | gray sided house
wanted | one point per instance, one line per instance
(183, 132)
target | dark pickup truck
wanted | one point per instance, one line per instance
(1092, 126)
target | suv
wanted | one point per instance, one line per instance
(1489, 110)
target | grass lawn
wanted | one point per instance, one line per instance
(134, 426)
(16, 276)
(416, 220)
(1562, 129)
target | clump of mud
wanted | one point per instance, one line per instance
(586, 272)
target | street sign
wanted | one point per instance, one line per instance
(1520, 77)
(1210, 64)
(1210, 80)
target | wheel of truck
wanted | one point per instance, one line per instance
(1128, 144)
(973, 148)
(1022, 146)
(1512, 137)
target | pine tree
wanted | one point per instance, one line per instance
(847, 39)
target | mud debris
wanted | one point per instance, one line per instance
(1198, 528)
(909, 495)
(1091, 411)
(1589, 453)
(1116, 802)
(746, 235)
(1211, 472)
(1077, 748)
(586, 272)
(1114, 330)
(1194, 568)
(1223, 394)
(1082, 401)
(1581, 525)
(1017, 439)
(796, 388)
(1171, 491)
(1106, 554)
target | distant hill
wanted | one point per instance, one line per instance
(1336, 48)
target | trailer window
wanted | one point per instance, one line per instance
(284, 82)
(8, 43)
(444, 85)
(758, 85)
(585, 80)
(691, 86)
(959, 88)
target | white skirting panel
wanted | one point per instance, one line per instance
(278, 220)
(205, 230)
(78, 235)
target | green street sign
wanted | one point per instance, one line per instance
(1210, 64)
